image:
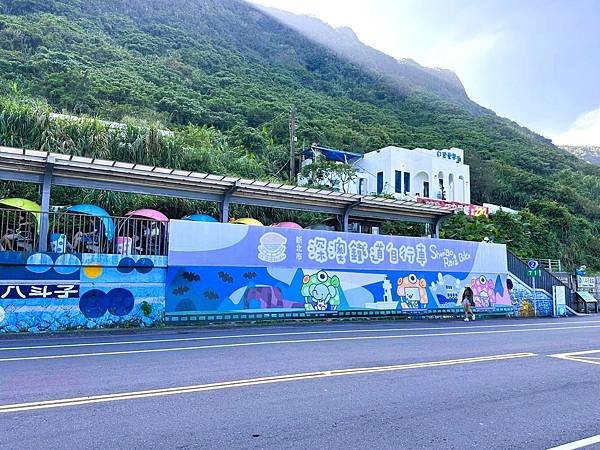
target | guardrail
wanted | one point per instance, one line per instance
(82, 233)
(545, 281)
(551, 265)
(188, 318)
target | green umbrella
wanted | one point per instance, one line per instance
(24, 205)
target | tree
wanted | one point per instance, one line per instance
(329, 174)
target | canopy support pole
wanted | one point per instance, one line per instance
(437, 224)
(226, 202)
(46, 190)
(346, 217)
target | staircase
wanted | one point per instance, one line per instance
(544, 282)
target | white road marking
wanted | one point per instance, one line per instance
(578, 444)
(579, 356)
(294, 333)
(18, 407)
(292, 341)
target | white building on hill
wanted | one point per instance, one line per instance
(418, 173)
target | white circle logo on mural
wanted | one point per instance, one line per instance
(67, 264)
(272, 247)
(2, 315)
(39, 263)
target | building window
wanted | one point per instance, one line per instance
(398, 182)
(379, 182)
(406, 182)
(426, 189)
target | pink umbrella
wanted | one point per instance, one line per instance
(287, 225)
(148, 214)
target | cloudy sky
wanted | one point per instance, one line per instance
(534, 61)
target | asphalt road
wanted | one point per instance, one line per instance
(419, 384)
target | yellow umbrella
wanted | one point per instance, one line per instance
(24, 205)
(248, 221)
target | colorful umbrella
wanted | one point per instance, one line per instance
(96, 211)
(23, 205)
(248, 221)
(200, 218)
(293, 225)
(148, 214)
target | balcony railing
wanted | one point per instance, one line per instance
(81, 233)
(551, 265)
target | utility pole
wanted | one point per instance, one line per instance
(292, 145)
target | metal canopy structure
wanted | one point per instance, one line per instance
(57, 169)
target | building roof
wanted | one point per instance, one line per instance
(76, 171)
(331, 154)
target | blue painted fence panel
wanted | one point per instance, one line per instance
(51, 292)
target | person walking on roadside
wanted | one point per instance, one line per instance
(468, 303)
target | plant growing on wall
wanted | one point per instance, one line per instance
(146, 308)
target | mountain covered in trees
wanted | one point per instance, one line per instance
(223, 75)
(589, 153)
(406, 74)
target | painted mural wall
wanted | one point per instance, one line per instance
(51, 292)
(216, 267)
(525, 303)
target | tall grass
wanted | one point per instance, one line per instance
(27, 123)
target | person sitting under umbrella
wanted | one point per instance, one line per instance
(88, 238)
(22, 232)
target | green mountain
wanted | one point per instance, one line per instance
(588, 153)
(407, 74)
(223, 75)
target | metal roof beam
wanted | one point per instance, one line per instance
(81, 172)
(133, 188)
(346, 215)
(23, 177)
(286, 204)
(227, 200)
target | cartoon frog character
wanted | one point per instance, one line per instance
(321, 292)
(484, 294)
(412, 292)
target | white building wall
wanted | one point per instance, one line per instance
(422, 165)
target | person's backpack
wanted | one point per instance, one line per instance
(471, 301)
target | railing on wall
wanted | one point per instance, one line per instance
(551, 265)
(545, 281)
(82, 233)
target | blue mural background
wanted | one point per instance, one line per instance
(526, 304)
(51, 292)
(216, 268)
(236, 268)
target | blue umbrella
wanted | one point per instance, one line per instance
(200, 218)
(96, 211)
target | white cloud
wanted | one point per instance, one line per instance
(584, 131)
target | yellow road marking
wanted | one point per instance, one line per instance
(60, 403)
(579, 356)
